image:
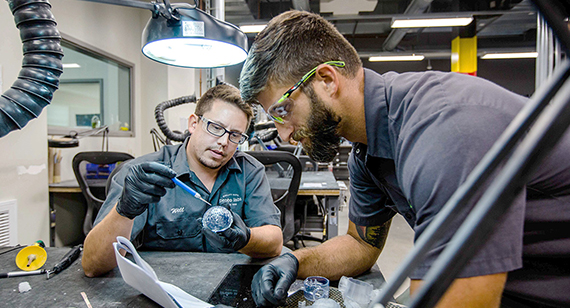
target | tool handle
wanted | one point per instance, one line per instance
(186, 188)
(22, 273)
(190, 190)
(66, 261)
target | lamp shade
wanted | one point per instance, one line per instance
(196, 39)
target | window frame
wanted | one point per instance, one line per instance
(57, 130)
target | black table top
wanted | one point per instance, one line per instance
(315, 182)
(199, 274)
(196, 273)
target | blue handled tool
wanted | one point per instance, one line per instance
(190, 190)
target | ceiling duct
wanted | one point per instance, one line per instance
(301, 5)
(263, 9)
(396, 35)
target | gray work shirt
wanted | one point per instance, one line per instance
(425, 133)
(174, 223)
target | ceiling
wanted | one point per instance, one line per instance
(500, 25)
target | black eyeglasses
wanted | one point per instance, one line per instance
(218, 131)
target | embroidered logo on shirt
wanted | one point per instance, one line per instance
(230, 199)
(177, 210)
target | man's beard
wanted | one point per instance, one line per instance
(322, 140)
(210, 165)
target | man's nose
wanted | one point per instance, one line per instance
(224, 139)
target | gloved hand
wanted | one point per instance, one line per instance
(232, 239)
(144, 184)
(271, 283)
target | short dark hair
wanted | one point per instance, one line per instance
(227, 93)
(292, 44)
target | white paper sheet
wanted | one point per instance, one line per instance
(312, 185)
(142, 277)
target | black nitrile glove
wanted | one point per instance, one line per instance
(232, 239)
(144, 184)
(271, 283)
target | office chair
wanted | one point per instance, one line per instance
(92, 179)
(280, 167)
(340, 163)
(118, 168)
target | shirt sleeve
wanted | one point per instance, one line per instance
(368, 205)
(113, 196)
(259, 209)
(442, 153)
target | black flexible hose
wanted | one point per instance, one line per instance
(159, 116)
(265, 136)
(41, 65)
(264, 125)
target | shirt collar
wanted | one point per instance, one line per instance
(232, 163)
(376, 115)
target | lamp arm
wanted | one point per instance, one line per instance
(168, 9)
(77, 135)
(95, 131)
(156, 8)
(129, 3)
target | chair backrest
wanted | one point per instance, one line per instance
(118, 168)
(281, 165)
(92, 179)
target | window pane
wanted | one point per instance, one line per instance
(95, 91)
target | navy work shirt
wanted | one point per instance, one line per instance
(425, 133)
(174, 223)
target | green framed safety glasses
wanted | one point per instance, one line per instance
(279, 111)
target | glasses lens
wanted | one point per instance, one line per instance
(236, 138)
(215, 129)
(280, 112)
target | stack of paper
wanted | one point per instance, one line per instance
(142, 277)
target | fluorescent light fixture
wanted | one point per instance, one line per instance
(510, 55)
(396, 58)
(252, 28)
(431, 22)
(193, 38)
(71, 65)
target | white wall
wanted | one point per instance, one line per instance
(180, 83)
(116, 30)
(23, 148)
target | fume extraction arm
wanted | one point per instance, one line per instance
(41, 66)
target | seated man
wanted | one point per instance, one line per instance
(144, 202)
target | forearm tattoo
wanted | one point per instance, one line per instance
(374, 235)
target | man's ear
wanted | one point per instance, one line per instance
(192, 123)
(329, 78)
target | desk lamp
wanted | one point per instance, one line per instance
(71, 140)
